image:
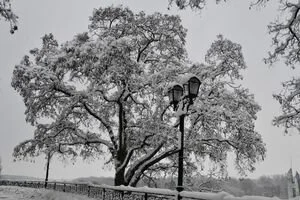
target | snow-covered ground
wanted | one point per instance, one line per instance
(21, 193)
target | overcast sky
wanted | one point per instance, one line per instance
(66, 18)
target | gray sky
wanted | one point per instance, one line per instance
(66, 18)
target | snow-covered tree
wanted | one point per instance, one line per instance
(29, 149)
(104, 93)
(7, 14)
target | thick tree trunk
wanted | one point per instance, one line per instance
(122, 149)
(134, 184)
(119, 178)
(120, 172)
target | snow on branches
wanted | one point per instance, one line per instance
(104, 93)
(193, 4)
(285, 35)
(289, 100)
(8, 15)
(198, 5)
(286, 45)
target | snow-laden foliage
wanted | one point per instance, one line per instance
(43, 146)
(285, 34)
(104, 93)
(193, 4)
(29, 149)
(289, 99)
(200, 4)
(7, 14)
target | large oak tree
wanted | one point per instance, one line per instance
(104, 93)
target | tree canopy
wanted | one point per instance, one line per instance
(104, 93)
(31, 148)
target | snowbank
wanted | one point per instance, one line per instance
(14, 193)
(222, 196)
(193, 195)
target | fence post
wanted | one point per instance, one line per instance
(178, 196)
(76, 188)
(146, 196)
(103, 194)
(64, 189)
(89, 190)
(54, 187)
(122, 195)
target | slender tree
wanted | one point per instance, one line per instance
(29, 149)
(104, 93)
(48, 157)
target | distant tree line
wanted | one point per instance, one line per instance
(267, 186)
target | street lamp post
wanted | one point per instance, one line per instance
(185, 95)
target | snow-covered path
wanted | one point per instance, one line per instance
(21, 193)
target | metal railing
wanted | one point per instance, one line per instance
(105, 192)
(102, 192)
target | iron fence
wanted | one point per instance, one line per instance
(99, 192)
(105, 192)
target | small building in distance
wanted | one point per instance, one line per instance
(293, 184)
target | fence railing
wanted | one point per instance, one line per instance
(105, 192)
(99, 192)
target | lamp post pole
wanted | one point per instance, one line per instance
(180, 154)
(178, 94)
